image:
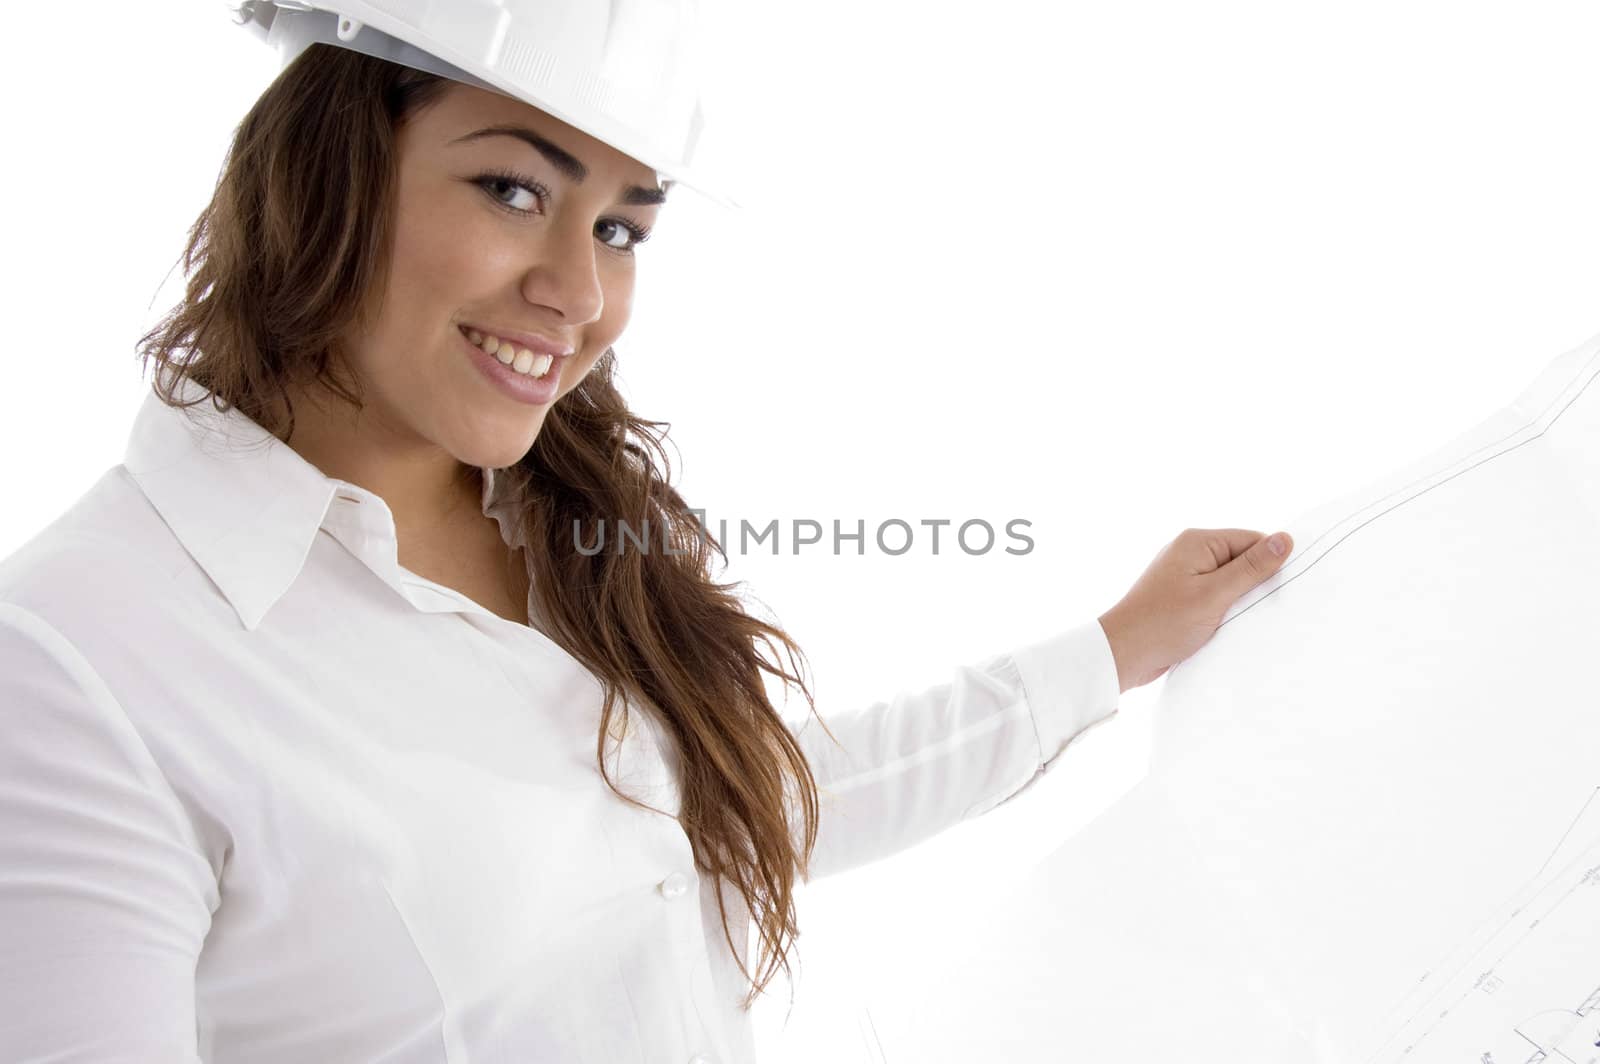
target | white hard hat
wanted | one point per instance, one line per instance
(625, 71)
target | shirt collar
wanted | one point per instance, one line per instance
(246, 506)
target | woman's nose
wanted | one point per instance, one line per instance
(565, 272)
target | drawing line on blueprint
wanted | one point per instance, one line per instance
(1570, 826)
(1473, 935)
(1563, 1027)
(1298, 566)
(1488, 980)
(1470, 952)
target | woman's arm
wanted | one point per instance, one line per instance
(908, 768)
(105, 892)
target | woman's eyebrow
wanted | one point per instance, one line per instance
(563, 160)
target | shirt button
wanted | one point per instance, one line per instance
(672, 886)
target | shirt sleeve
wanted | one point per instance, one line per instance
(105, 892)
(906, 769)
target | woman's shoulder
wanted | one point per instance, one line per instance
(107, 558)
(105, 620)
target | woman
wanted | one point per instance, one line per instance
(324, 743)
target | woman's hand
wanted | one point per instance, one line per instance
(1179, 601)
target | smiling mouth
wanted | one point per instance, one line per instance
(518, 359)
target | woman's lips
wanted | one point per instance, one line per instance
(539, 345)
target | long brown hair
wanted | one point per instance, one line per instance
(292, 249)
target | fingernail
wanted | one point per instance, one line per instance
(1276, 544)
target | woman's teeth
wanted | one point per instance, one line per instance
(523, 361)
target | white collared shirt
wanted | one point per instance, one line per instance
(268, 796)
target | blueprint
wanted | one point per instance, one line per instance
(1370, 833)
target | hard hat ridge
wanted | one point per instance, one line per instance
(625, 72)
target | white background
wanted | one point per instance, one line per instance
(1115, 269)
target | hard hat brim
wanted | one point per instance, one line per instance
(291, 30)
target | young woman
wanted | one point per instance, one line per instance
(322, 742)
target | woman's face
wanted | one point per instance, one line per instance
(494, 233)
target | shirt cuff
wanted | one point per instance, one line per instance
(1070, 681)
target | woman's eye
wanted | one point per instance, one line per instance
(631, 237)
(495, 184)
